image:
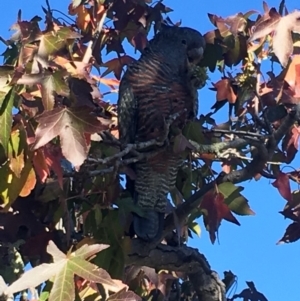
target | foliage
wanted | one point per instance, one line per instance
(62, 168)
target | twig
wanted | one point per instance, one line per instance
(237, 133)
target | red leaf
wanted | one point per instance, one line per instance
(214, 211)
(282, 183)
(40, 165)
(53, 158)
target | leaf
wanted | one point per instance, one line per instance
(235, 201)
(53, 157)
(6, 105)
(86, 251)
(11, 185)
(29, 279)
(40, 165)
(195, 227)
(63, 269)
(124, 296)
(265, 25)
(225, 91)
(283, 28)
(110, 82)
(291, 74)
(116, 65)
(29, 184)
(52, 84)
(16, 148)
(282, 183)
(292, 233)
(71, 125)
(214, 210)
(55, 252)
(194, 131)
(53, 41)
(181, 144)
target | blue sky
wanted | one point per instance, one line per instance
(249, 251)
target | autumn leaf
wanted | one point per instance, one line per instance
(282, 38)
(110, 82)
(70, 124)
(282, 183)
(63, 269)
(40, 165)
(83, 17)
(29, 184)
(53, 84)
(53, 157)
(292, 74)
(116, 65)
(214, 210)
(225, 91)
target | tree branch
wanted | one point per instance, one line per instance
(264, 153)
(183, 259)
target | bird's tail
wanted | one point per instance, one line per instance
(150, 226)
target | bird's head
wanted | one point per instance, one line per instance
(192, 40)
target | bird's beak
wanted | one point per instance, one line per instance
(195, 55)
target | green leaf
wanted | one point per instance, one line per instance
(10, 184)
(52, 42)
(16, 151)
(63, 288)
(193, 131)
(195, 227)
(6, 102)
(235, 201)
(87, 251)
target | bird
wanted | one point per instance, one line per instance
(154, 88)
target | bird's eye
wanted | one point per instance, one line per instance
(183, 42)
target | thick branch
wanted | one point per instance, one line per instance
(181, 259)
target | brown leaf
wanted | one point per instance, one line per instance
(225, 91)
(29, 184)
(70, 124)
(282, 183)
(116, 65)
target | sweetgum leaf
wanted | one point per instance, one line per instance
(71, 125)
